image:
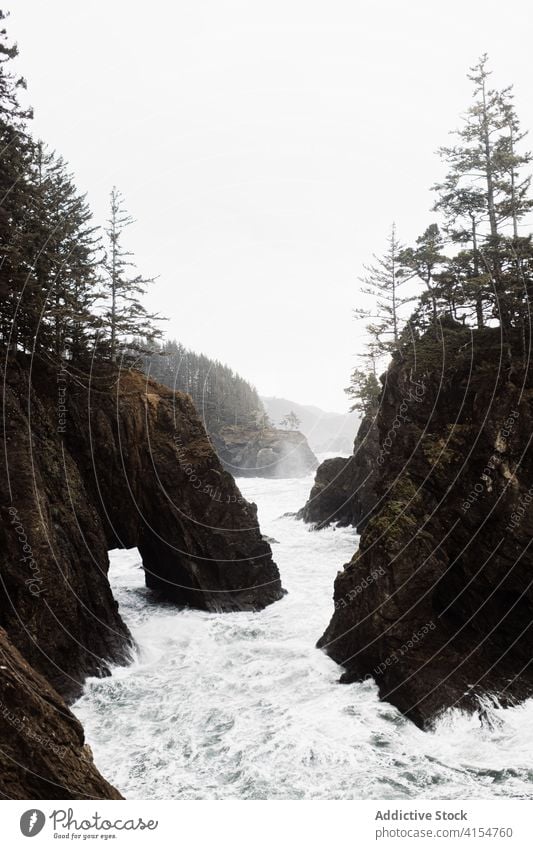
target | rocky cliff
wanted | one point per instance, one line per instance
(264, 452)
(111, 460)
(42, 749)
(160, 486)
(55, 599)
(343, 491)
(437, 604)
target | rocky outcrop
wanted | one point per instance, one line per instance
(42, 750)
(343, 491)
(55, 599)
(90, 463)
(114, 460)
(161, 487)
(437, 604)
(325, 432)
(264, 452)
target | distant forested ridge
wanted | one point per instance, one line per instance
(221, 396)
(232, 413)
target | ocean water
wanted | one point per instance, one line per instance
(243, 706)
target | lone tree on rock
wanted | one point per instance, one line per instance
(126, 317)
(291, 421)
(382, 282)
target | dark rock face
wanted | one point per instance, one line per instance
(343, 491)
(42, 751)
(55, 599)
(437, 604)
(114, 461)
(159, 486)
(264, 452)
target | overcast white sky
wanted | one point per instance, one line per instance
(264, 148)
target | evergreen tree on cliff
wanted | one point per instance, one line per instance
(426, 262)
(47, 243)
(382, 282)
(483, 193)
(364, 391)
(222, 396)
(65, 256)
(17, 316)
(515, 202)
(291, 421)
(125, 318)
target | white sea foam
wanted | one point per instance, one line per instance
(244, 706)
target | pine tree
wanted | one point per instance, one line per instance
(426, 262)
(471, 184)
(290, 421)
(221, 396)
(514, 201)
(484, 190)
(364, 391)
(383, 281)
(125, 315)
(464, 210)
(17, 311)
(64, 263)
(469, 189)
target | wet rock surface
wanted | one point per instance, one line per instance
(343, 491)
(159, 486)
(437, 604)
(55, 599)
(42, 749)
(264, 452)
(92, 463)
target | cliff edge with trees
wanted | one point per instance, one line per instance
(96, 456)
(446, 621)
